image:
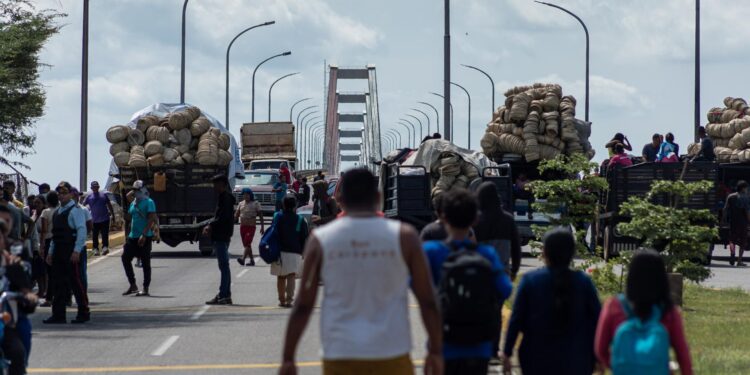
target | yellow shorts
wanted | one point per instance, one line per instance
(395, 366)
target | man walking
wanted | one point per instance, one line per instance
(478, 287)
(143, 222)
(303, 194)
(319, 177)
(737, 215)
(367, 264)
(221, 230)
(68, 240)
(101, 214)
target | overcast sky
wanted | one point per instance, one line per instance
(641, 62)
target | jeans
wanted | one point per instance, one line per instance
(467, 366)
(23, 327)
(103, 229)
(222, 256)
(132, 250)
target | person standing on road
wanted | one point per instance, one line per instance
(650, 150)
(101, 212)
(646, 297)
(292, 235)
(367, 264)
(556, 310)
(325, 208)
(47, 292)
(143, 223)
(303, 194)
(247, 211)
(68, 240)
(221, 230)
(319, 177)
(279, 189)
(737, 214)
(89, 228)
(472, 322)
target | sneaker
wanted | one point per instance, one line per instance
(731, 259)
(220, 301)
(142, 293)
(741, 264)
(132, 289)
(81, 319)
(241, 261)
(139, 264)
(252, 262)
(105, 251)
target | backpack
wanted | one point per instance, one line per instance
(270, 243)
(468, 300)
(640, 347)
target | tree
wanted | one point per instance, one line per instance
(682, 234)
(23, 32)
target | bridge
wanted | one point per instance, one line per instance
(361, 144)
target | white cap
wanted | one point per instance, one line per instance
(138, 184)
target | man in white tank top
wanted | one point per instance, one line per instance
(366, 263)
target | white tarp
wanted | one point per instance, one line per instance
(236, 169)
(429, 152)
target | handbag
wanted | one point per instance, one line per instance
(270, 243)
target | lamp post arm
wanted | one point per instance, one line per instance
(425, 115)
(468, 142)
(437, 115)
(492, 82)
(270, 89)
(421, 132)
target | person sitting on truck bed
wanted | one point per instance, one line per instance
(707, 147)
(620, 157)
(669, 152)
(650, 150)
(620, 139)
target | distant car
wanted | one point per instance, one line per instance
(261, 182)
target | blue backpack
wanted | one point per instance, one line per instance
(270, 243)
(640, 347)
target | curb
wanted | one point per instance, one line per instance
(115, 240)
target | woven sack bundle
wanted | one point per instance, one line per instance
(550, 141)
(152, 148)
(714, 115)
(536, 106)
(452, 169)
(156, 160)
(728, 101)
(532, 150)
(146, 122)
(445, 183)
(723, 154)
(122, 159)
(182, 148)
(183, 136)
(180, 120)
(215, 132)
(157, 133)
(119, 147)
(568, 105)
(737, 104)
(469, 170)
(199, 126)
(720, 142)
(508, 128)
(117, 133)
(462, 182)
(735, 157)
(164, 122)
(188, 158)
(729, 115)
(224, 158)
(224, 141)
(693, 149)
(136, 137)
(584, 129)
(714, 130)
(494, 128)
(170, 154)
(194, 112)
(740, 124)
(548, 152)
(520, 108)
(509, 104)
(551, 101)
(178, 161)
(489, 143)
(736, 143)
(517, 131)
(511, 144)
(137, 157)
(744, 156)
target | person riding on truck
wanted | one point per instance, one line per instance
(284, 174)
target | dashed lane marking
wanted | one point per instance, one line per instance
(242, 273)
(165, 346)
(200, 312)
(103, 257)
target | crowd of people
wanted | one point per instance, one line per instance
(460, 277)
(661, 149)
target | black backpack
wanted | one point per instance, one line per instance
(468, 299)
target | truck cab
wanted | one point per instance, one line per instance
(261, 182)
(271, 164)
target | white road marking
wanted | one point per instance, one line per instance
(200, 312)
(242, 273)
(165, 346)
(103, 257)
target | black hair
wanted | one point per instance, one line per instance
(656, 136)
(647, 283)
(41, 199)
(742, 185)
(289, 203)
(64, 184)
(357, 189)
(619, 136)
(9, 183)
(619, 148)
(460, 208)
(559, 248)
(702, 130)
(669, 137)
(436, 136)
(220, 178)
(44, 188)
(491, 212)
(30, 199)
(52, 199)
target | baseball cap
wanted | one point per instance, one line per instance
(94, 184)
(138, 184)
(63, 187)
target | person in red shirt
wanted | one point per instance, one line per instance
(297, 183)
(284, 174)
(647, 286)
(620, 157)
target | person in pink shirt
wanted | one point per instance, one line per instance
(647, 287)
(620, 157)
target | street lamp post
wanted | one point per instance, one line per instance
(226, 86)
(84, 157)
(299, 124)
(450, 106)
(697, 105)
(437, 115)
(317, 134)
(413, 129)
(287, 53)
(585, 30)
(421, 130)
(397, 136)
(409, 141)
(291, 110)
(426, 116)
(182, 55)
(448, 132)
(468, 142)
(270, 90)
(492, 82)
(309, 131)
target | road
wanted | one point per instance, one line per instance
(173, 331)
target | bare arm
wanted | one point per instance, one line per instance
(305, 302)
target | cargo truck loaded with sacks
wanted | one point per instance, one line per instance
(175, 149)
(265, 145)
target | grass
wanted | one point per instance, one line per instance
(717, 322)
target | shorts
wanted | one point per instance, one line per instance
(394, 366)
(247, 232)
(738, 235)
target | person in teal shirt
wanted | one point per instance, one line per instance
(143, 221)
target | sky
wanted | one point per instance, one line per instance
(641, 61)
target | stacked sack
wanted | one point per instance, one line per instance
(729, 129)
(451, 171)
(182, 137)
(537, 122)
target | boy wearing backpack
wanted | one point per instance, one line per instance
(471, 288)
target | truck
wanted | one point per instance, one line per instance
(265, 145)
(188, 203)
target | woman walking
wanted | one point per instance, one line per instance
(556, 309)
(247, 212)
(647, 297)
(292, 230)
